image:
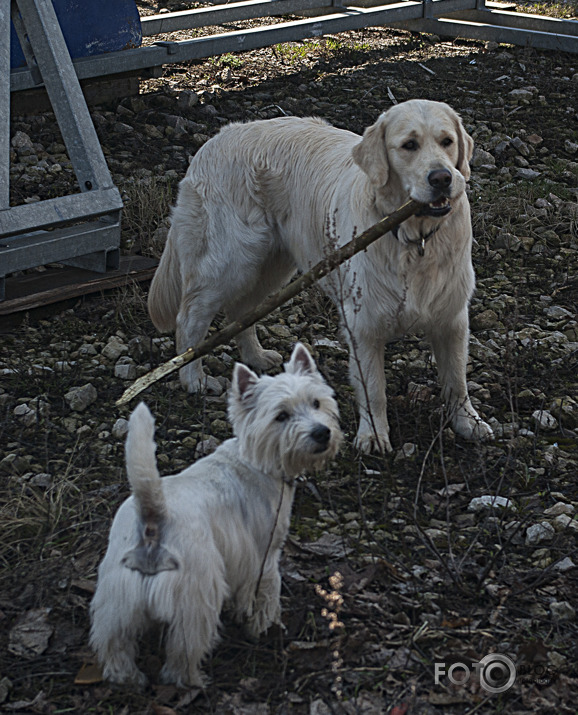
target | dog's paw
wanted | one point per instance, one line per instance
(472, 427)
(372, 441)
(183, 677)
(265, 360)
(133, 677)
(206, 384)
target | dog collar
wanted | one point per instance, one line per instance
(420, 242)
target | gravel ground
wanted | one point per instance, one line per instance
(434, 567)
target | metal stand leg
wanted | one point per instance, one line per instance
(93, 243)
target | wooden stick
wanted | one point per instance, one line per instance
(319, 270)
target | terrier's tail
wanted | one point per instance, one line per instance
(149, 556)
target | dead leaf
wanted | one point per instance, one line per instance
(330, 545)
(162, 710)
(89, 674)
(31, 634)
(456, 622)
(36, 705)
(446, 698)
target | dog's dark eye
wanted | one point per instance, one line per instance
(447, 141)
(411, 145)
(316, 404)
(282, 416)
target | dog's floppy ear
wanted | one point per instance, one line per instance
(301, 361)
(371, 153)
(465, 148)
(243, 384)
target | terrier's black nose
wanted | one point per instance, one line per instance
(321, 434)
(440, 179)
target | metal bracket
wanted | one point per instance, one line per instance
(94, 212)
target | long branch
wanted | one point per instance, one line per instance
(319, 270)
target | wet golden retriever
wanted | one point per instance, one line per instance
(265, 198)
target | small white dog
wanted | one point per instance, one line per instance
(262, 199)
(183, 547)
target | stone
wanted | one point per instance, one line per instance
(187, 99)
(79, 398)
(560, 508)
(564, 522)
(206, 446)
(125, 369)
(25, 414)
(526, 174)
(485, 320)
(562, 611)
(408, 450)
(557, 312)
(539, 533)
(42, 480)
(481, 158)
(490, 501)
(120, 428)
(20, 140)
(114, 348)
(520, 146)
(508, 241)
(520, 96)
(566, 564)
(545, 420)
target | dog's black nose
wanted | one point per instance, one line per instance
(321, 435)
(440, 179)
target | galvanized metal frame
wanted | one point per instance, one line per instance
(93, 240)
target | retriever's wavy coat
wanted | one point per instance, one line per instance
(265, 198)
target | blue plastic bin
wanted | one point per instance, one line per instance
(91, 27)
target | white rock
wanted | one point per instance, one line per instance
(20, 140)
(539, 533)
(25, 414)
(42, 480)
(114, 348)
(79, 398)
(545, 420)
(527, 174)
(120, 428)
(125, 370)
(408, 450)
(558, 312)
(565, 565)
(560, 508)
(520, 94)
(563, 522)
(490, 501)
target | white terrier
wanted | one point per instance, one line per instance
(183, 547)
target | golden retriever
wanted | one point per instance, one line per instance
(265, 198)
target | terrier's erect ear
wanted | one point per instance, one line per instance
(301, 361)
(371, 153)
(243, 384)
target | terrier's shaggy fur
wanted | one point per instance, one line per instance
(183, 547)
